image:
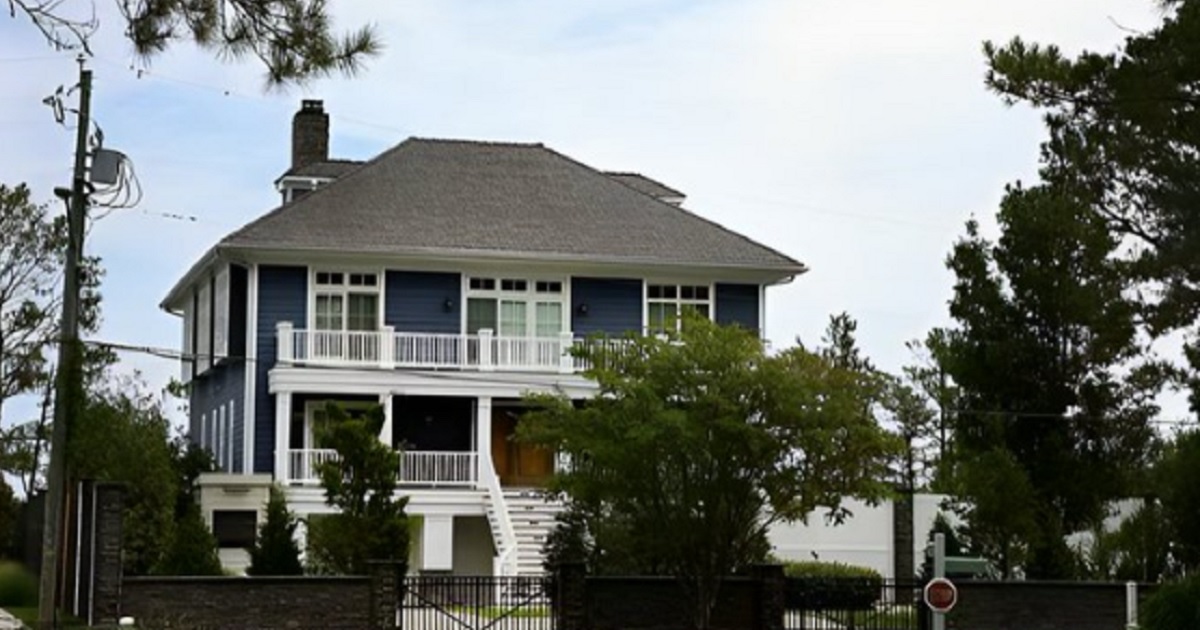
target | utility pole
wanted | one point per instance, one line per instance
(68, 394)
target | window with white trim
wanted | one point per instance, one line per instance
(516, 307)
(665, 304)
(345, 300)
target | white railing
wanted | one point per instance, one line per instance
(503, 535)
(438, 468)
(302, 464)
(425, 468)
(388, 349)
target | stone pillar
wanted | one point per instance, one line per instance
(106, 585)
(386, 590)
(570, 596)
(771, 584)
(903, 563)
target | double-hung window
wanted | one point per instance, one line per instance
(516, 307)
(666, 303)
(346, 301)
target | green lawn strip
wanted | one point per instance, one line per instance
(493, 612)
(29, 616)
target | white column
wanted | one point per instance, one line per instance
(437, 542)
(283, 426)
(387, 347)
(485, 350)
(385, 434)
(566, 361)
(284, 350)
(483, 437)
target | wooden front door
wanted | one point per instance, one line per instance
(517, 464)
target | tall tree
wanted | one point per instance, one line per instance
(293, 39)
(123, 435)
(31, 250)
(1124, 136)
(361, 483)
(693, 445)
(1044, 330)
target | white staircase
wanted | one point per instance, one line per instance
(532, 519)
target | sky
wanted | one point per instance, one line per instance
(856, 137)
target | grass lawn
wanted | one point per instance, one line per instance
(29, 617)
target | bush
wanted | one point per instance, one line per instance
(1174, 606)
(275, 551)
(831, 586)
(18, 586)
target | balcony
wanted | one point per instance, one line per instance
(388, 349)
(435, 469)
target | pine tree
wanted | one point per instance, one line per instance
(275, 551)
(193, 549)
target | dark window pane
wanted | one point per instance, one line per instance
(336, 278)
(654, 291)
(370, 279)
(669, 291)
(701, 293)
(234, 529)
(322, 277)
(687, 292)
(481, 313)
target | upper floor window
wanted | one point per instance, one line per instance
(345, 300)
(516, 307)
(665, 304)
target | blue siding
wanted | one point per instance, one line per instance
(738, 304)
(614, 305)
(282, 296)
(214, 390)
(415, 301)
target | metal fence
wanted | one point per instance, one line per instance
(476, 603)
(853, 604)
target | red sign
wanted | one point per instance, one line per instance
(941, 595)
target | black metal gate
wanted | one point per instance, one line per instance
(430, 602)
(853, 604)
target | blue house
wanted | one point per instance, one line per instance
(442, 279)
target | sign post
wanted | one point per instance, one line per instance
(939, 579)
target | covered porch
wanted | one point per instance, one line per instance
(445, 442)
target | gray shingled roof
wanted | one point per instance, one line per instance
(651, 187)
(498, 198)
(329, 169)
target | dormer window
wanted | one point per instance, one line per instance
(665, 304)
(345, 300)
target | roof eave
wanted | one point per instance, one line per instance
(174, 296)
(783, 271)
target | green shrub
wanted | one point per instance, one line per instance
(18, 586)
(831, 586)
(1174, 606)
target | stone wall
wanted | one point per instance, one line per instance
(1036, 605)
(237, 602)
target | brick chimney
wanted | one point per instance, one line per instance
(310, 134)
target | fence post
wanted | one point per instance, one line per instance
(109, 506)
(386, 590)
(770, 581)
(570, 596)
(387, 347)
(1131, 606)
